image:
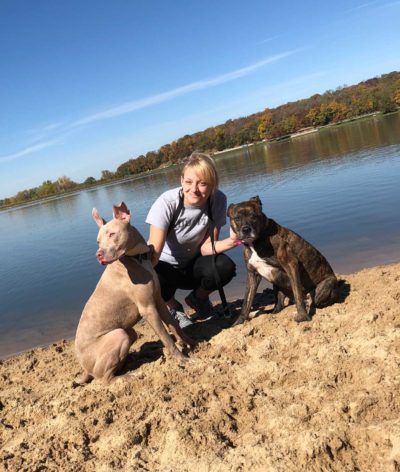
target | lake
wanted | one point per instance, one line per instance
(338, 188)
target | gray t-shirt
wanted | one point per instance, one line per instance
(191, 225)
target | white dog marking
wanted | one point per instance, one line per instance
(264, 269)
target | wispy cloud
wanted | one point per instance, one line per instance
(131, 106)
(49, 127)
(28, 150)
(268, 40)
(62, 129)
(362, 6)
(39, 133)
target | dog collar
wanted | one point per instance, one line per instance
(145, 256)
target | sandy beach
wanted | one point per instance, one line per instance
(269, 395)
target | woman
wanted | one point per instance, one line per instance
(180, 234)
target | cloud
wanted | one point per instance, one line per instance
(272, 38)
(360, 7)
(28, 150)
(131, 106)
(38, 134)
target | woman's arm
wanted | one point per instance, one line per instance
(220, 246)
(157, 237)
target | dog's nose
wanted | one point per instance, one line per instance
(99, 254)
(246, 229)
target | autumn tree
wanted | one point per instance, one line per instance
(265, 123)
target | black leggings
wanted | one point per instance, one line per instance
(198, 273)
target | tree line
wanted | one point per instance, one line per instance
(379, 94)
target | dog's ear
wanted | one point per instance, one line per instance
(122, 212)
(97, 218)
(257, 200)
(230, 210)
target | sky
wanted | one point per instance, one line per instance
(87, 85)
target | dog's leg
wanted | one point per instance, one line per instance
(110, 352)
(309, 301)
(151, 314)
(173, 325)
(252, 282)
(326, 292)
(279, 300)
(292, 270)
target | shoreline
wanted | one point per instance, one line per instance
(86, 189)
(233, 296)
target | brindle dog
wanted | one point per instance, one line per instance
(294, 267)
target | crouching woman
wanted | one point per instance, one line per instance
(180, 233)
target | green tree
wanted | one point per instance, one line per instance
(47, 189)
(106, 175)
(64, 183)
(290, 124)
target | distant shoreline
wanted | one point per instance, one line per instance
(294, 135)
(304, 132)
(84, 189)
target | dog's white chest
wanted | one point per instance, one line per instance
(264, 269)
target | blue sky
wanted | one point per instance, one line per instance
(87, 85)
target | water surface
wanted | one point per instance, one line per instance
(338, 188)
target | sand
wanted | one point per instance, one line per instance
(269, 395)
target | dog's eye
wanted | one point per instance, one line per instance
(110, 235)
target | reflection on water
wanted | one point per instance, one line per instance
(337, 187)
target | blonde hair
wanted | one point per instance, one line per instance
(204, 166)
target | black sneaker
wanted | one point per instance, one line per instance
(202, 306)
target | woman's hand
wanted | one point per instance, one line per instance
(233, 235)
(157, 238)
(220, 246)
(153, 255)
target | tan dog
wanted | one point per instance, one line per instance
(128, 289)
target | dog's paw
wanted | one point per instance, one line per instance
(136, 375)
(82, 379)
(276, 310)
(180, 357)
(299, 318)
(239, 321)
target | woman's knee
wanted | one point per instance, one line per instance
(204, 271)
(226, 268)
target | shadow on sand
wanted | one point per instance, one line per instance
(205, 330)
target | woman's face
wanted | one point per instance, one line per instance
(195, 190)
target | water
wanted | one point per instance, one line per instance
(338, 188)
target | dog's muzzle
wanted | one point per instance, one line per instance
(247, 233)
